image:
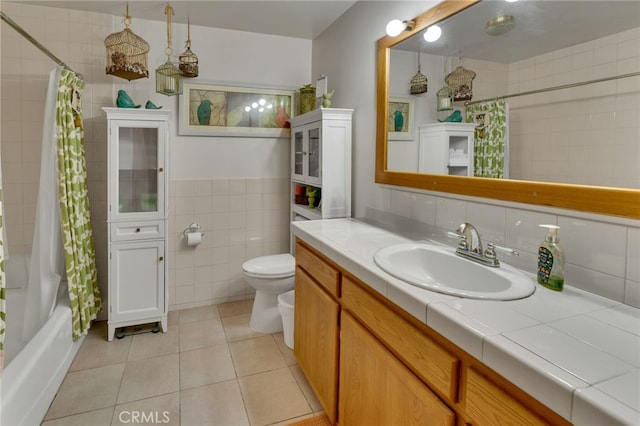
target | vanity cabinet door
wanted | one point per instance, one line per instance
(316, 339)
(377, 389)
(429, 361)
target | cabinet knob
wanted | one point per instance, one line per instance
(161, 169)
(161, 258)
(137, 229)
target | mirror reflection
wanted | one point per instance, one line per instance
(516, 90)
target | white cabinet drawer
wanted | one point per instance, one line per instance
(131, 231)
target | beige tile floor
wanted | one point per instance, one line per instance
(209, 368)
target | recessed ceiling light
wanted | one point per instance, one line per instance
(500, 25)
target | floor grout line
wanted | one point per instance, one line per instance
(241, 333)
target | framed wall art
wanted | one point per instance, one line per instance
(207, 109)
(400, 118)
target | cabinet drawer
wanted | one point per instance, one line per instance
(326, 275)
(131, 231)
(487, 404)
(426, 358)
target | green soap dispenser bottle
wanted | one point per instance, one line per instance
(551, 260)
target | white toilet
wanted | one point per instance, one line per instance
(270, 276)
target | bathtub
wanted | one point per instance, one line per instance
(33, 370)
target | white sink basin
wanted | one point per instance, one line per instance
(439, 269)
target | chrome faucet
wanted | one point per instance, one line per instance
(470, 246)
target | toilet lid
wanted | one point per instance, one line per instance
(274, 266)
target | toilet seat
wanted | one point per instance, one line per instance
(273, 266)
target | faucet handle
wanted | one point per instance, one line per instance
(490, 252)
(462, 239)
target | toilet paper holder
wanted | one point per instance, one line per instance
(194, 227)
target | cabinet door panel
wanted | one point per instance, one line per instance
(137, 280)
(136, 160)
(314, 165)
(297, 156)
(431, 362)
(377, 389)
(316, 339)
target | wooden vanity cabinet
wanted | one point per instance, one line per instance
(316, 325)
(371, 363)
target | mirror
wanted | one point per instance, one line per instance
(603, 199)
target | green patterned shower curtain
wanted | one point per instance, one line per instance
(491, 137)
(77, 233)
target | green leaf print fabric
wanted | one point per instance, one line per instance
(77, 233)
(490, 137)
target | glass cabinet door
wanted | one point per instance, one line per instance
(298, 154)
(314, 153)
(139, 160)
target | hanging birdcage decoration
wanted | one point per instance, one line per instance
(418, 82)
(126, 53)
(168, 76)
(445, 99)
(461, 80)
(188, 59)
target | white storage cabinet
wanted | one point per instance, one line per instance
(446, 148)
(137, 180)
(321, 158)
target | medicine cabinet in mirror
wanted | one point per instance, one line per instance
(573, 103)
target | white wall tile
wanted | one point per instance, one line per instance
(605, 285)
(632, 293)
(523, 231)
(594, 245)
(450, 213)
(238, 225)
(489, 221)
(401, 203)
(423, 208)
(633, 254)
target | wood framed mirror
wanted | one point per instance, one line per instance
(621, 202)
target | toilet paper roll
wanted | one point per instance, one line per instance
(194, 238)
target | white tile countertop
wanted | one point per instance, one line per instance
(576, 352)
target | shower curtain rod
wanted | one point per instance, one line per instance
(549, 89)
(36, 43)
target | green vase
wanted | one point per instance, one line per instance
(307, 98)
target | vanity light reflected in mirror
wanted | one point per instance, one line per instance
(433, 33)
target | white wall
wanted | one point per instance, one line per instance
(346, 54)
(602, 251)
